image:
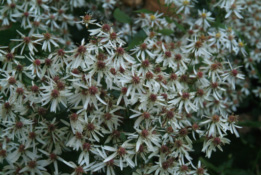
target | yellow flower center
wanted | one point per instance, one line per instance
(185, 2)
(152, 17)
(229, 29)
(203, 15)
(218, 35)
(241, 44)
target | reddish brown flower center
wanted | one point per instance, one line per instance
(164, 149)
(9, 56)
(12, 80)
(146, 115)
(216, 141)
(145, 63)
(113, 36)
(183, 132)
(169, 114)
(27, 39)
(144, 133)
(149, 75)
(60, 52)
(185, 95)
(90, 127)
(20, 91)
(121, 151)
(168, 54)
(19, 125)
(124, 90)
(55, 93)
(81, 49)
(215, 118)
(153, 97)
(107, 116)
(178, 57)
(93, 90)
(74, 117)
(120, 51)
(106, 28)
(32, 164)
(135, 79)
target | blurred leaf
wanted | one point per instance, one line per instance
(137, 39)
(179, 26)
(166, 32)
(121, 16)
(209, 165)
(144, 11)
(10, 33)
(123, 137)
(254, 124)
(238, 172)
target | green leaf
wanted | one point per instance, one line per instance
(123, 136)
(166, 32)
(254, 124)
(144, 11)
(179, 26)
(209, 165)
(121, 16)
(137, 40)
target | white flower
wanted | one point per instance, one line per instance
(26, 41)
(204, 19)
(216, 125)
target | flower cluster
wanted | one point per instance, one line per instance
(116, 108)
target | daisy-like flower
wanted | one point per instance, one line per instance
(142, 19)
(26, 41)
(232, 75)
(134, 86)
(77, 169)
(120, 58)
(107, 166)
(149, 100)
(218, 38)
(21, 151)
(35, 167)
(257, 92)
(87, 20)
(52, 159)
(143, 50)
(212, 143)
(52, 95)
(145, 116)
(235, 8)
(216, 125)
(80, 56)
(25, 16)
(232, 119)
(123, 153)
(205, 18)
(167, 59)
(241, 48)
(149, 137)
(108, 4)
(9, 59)
(35, 66)
(155, 19)
(47, 40)
(198, 47)
(166, 167)
(183, 100)
(214, 69)
(88, 95)
(184, 5)
(199, 170)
